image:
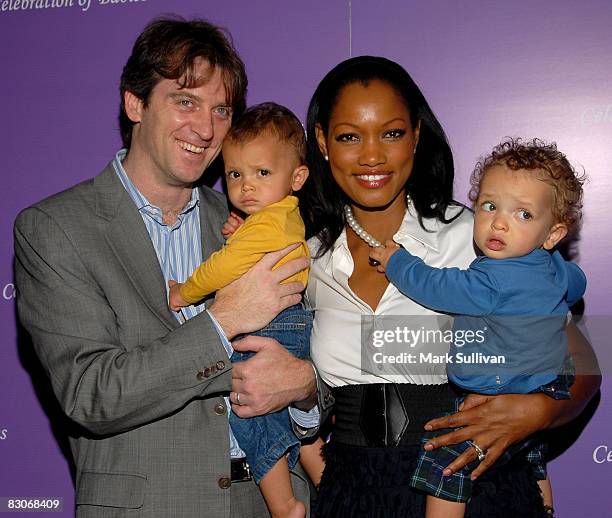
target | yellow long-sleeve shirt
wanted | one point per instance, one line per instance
(270, 229)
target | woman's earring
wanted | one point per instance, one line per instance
(326, 158)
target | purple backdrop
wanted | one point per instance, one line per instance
(489, 69)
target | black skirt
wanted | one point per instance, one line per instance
(374, 482)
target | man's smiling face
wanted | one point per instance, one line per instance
(179, 132)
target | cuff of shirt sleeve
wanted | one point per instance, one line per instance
(304, 419)
(226, 343)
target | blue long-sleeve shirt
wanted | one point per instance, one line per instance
(519, 304)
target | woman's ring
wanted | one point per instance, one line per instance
(240, 404)
(481, 453)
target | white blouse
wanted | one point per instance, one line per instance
(336, 335)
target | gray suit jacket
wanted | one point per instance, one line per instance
(146, 390)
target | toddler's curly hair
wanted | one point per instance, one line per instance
(548, 164)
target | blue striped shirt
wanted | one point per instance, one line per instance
(179, 251)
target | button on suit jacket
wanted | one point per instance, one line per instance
(93, 297)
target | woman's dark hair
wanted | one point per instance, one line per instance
(430, 184)
(167, 48)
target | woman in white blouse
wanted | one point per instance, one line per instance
(381, 169)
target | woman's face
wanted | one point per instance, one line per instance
(370, 144)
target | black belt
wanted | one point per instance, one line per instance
(240, 470)
(387, 414)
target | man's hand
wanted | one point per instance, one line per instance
(382, 254)
(231, 225)
(270, 380)
(175, 300)
(252, 301)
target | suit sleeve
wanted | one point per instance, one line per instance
(451, 290)
(246, 247)
(100, 384)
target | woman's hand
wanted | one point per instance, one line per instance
(496, 422)
(492, 422)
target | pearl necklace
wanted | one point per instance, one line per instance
(363, 234)
(358, 229)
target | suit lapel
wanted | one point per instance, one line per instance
(212, 217)
(127, 236)
(211, 221)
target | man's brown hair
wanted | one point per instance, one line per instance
(167, 49)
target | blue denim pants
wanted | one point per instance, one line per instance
(267, 438)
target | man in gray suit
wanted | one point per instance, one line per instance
(92, 265)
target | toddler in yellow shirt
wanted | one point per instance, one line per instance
(264, 157)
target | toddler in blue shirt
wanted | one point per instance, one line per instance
(527, 198)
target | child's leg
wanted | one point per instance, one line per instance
(537, 457)
(429, 475)
(546, 489)
(312, 460)
(267, 438)
(276, 489)
(439, 508)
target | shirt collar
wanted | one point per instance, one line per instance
(141, 202)
(409, 228)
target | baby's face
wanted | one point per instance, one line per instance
(260, 172)
(513, 214)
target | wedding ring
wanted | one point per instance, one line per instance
(481, 453)
(240, 404)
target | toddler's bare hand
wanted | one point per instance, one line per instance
(175, 301)
(231, 225)
(383, 253)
